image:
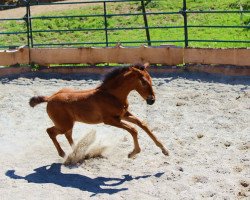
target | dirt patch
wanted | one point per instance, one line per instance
(38, 10)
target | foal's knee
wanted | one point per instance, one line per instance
(51, 133)
(48, 131)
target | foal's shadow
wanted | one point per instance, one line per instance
(99, 185)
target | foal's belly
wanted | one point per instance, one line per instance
(88, 114)
(89, 119)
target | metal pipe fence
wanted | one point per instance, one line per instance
(28, 39)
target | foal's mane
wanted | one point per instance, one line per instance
(119, 70)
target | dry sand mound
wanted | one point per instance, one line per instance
(86, 148)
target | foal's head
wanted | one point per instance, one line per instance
(134, 77)
(144, 83)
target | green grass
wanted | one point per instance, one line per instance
(137, 21)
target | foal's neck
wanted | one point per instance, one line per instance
(120, 89)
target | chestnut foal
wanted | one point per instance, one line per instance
(106, 104)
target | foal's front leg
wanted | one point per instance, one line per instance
(131, 118)
(118, 123)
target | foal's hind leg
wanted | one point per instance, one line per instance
(131, 118)
(118, 123)
(53, 132)
(68, 135)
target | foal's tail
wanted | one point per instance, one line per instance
(37, 100)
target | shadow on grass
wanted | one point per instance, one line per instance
(99, 185)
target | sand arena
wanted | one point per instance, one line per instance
(204, 121)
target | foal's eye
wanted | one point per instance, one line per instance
(144, 82)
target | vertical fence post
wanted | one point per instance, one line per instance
(27, 23)
(27, 19)
(30, 26)
(146, 22)
(184, 14)
(106, 23)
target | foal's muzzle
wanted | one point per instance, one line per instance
(150, 100)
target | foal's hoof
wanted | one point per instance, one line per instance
(133, 154)
(62, 154)
(165, 152)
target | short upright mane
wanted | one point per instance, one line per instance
(114, 73)
(118, 71)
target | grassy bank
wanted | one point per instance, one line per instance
(137, 21)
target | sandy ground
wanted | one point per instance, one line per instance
(204, 121)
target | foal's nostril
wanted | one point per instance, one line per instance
(150, 100)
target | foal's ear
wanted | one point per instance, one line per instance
(146, 65)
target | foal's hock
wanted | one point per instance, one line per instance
(106, 104)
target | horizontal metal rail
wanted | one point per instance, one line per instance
(12, 19)
(8, 6)
(229, 41)
(101, 43)
(102, 29)
(84, 2)
(216, 26)
(101, 15)
(13, 46)
(124, 28)
(13, 33)
(24, 3)
(217, 11)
